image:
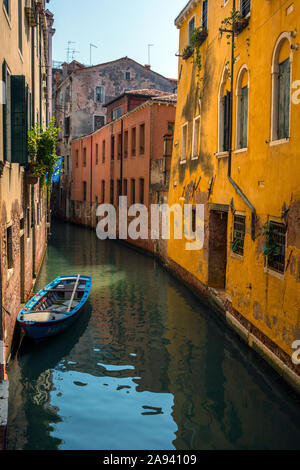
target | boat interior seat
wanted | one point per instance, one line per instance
(74, 303)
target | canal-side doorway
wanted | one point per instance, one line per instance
(217, 258)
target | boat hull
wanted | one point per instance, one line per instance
(39, 330)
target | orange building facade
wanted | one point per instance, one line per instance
(130, 156)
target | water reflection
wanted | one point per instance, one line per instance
(145, 367)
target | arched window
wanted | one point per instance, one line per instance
(281, 88)
(242, 108)
(224, 113)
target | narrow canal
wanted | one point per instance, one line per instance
(146, 366)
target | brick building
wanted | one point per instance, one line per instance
(128, 156)
(25, 55)
(80, 95)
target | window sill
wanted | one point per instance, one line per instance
(236, 256)
(10, 273)
(6, 16)
(273, 143)
(21, 56)
(243, 150)
(195, 157)
(274, 273)
(182, 162)
(222, 154)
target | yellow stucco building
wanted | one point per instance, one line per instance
(239, 157)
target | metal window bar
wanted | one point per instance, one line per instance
(204, 14)
(245, 7)
(277, 262)
(239, 229)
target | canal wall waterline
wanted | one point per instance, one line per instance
(254, 338)
(5, 356)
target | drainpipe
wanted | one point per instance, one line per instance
(234, 184)
(121, 161)
(91, 177)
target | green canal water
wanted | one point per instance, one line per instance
(146, 366)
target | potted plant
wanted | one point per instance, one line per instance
(41, 148)
(235, 21)
(240, 25)
(187, 52)
(198, 36)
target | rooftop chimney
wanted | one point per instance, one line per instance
(148, 66)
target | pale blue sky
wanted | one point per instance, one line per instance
(118, 28)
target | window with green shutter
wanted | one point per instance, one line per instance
(19, 124)
(226, 121)
(244, 118)
(284, 90)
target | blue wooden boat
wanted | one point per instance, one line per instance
(56, 307)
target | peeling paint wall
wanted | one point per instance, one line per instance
(266, 172)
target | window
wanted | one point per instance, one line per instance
(119, 146)
(245, 6)
(194, 219)
(191, 28)
(125, 144)
(127, 75)
(116, 113)
(97, 154)
(20, 25)
(133, 141)
(6, 107)
(84, 157)
(28, 221)
(112, 191)
(244, 118)
(196, 137)
(76, 159)
(112, 148)
(132, 191)
(284, 100)
(6, 4)
(239, 230)
(68, 163)
(281, 89)
(119, 189)
(103, 191)
(67, 126)
(103, 151)
(99, 121)
(84, 191)
(125, 187)
(204, 14)
(276, 240)
(170, 127)
(9, 248)
(226, 136)
(242, 109)
(99, 94)
(142, 139)
(184, 142)
(142, 190)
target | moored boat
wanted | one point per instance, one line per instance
(55, 307)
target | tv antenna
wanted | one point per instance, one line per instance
(92, 45)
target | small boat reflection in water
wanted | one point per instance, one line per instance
(55, 307)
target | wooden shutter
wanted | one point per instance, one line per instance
(4, 78)
(284, 89)
(244, 118)
(226, 121)
(18, 120)
(204, 14)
